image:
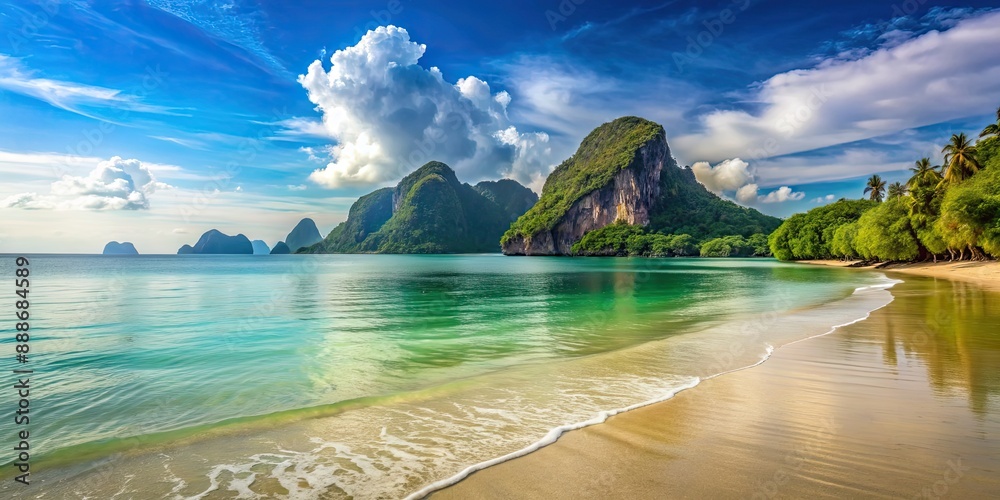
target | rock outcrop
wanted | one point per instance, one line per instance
(216, 242)
(304, 233)
(629, 194)
(123, 248)
(624, 172)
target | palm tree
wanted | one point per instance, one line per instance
(923, 174)
(960, 159)
(875, 188)
(897, 190)
(992, 129)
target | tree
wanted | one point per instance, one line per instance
(875, 189)
(959, 159)
(885, 233)
(923, 174)
(843, 241)
(809, 235)
(993, 129)
(896, 190)
(970, 214)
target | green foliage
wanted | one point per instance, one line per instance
(960, 159)
(842, 244)
(686, 207)
(896, 190)
(957, 212)
(875, 189)
(733, 246)
(885, 233)
(365, 217)
(610, 240)
(809, 235)
(603, 153)
(622, 239)
(987, 149)
(509, 195)
(970, 212)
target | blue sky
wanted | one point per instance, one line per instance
(154, 121)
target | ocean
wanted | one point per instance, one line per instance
(374, 376)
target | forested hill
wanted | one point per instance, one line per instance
(429, 211)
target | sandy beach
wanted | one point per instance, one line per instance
(983, 273)
(903, 405)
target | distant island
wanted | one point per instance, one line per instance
(280, 248)
(429, 211)
(216, 242)
(123, 248)
(304, 234)
(951, 210)
(260, 247)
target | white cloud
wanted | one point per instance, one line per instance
(28, 201)
(116, 184)
(389, 115)
(824, 199)
(299, 187)
(298, 129)
(781, 195)
(727, 175)
(735, 175)
(910, 84)
(747, 194)
(69, 96)
(845, 164)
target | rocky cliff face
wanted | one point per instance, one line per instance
(629, 197)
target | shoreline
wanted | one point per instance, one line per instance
(983, 273)
(638, 438)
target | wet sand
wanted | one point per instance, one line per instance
(903, 405)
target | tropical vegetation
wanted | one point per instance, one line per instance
(949, 211)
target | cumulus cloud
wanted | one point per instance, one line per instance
(909, 83)
(116, 184)
(735, 175)
(389, 115)
(824, 199)
(782, 194)
(727, 175)
(747, 194)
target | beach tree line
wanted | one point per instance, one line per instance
(946, 211)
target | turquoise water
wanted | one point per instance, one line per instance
(136, 353)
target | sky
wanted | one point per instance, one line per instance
(155, 121)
